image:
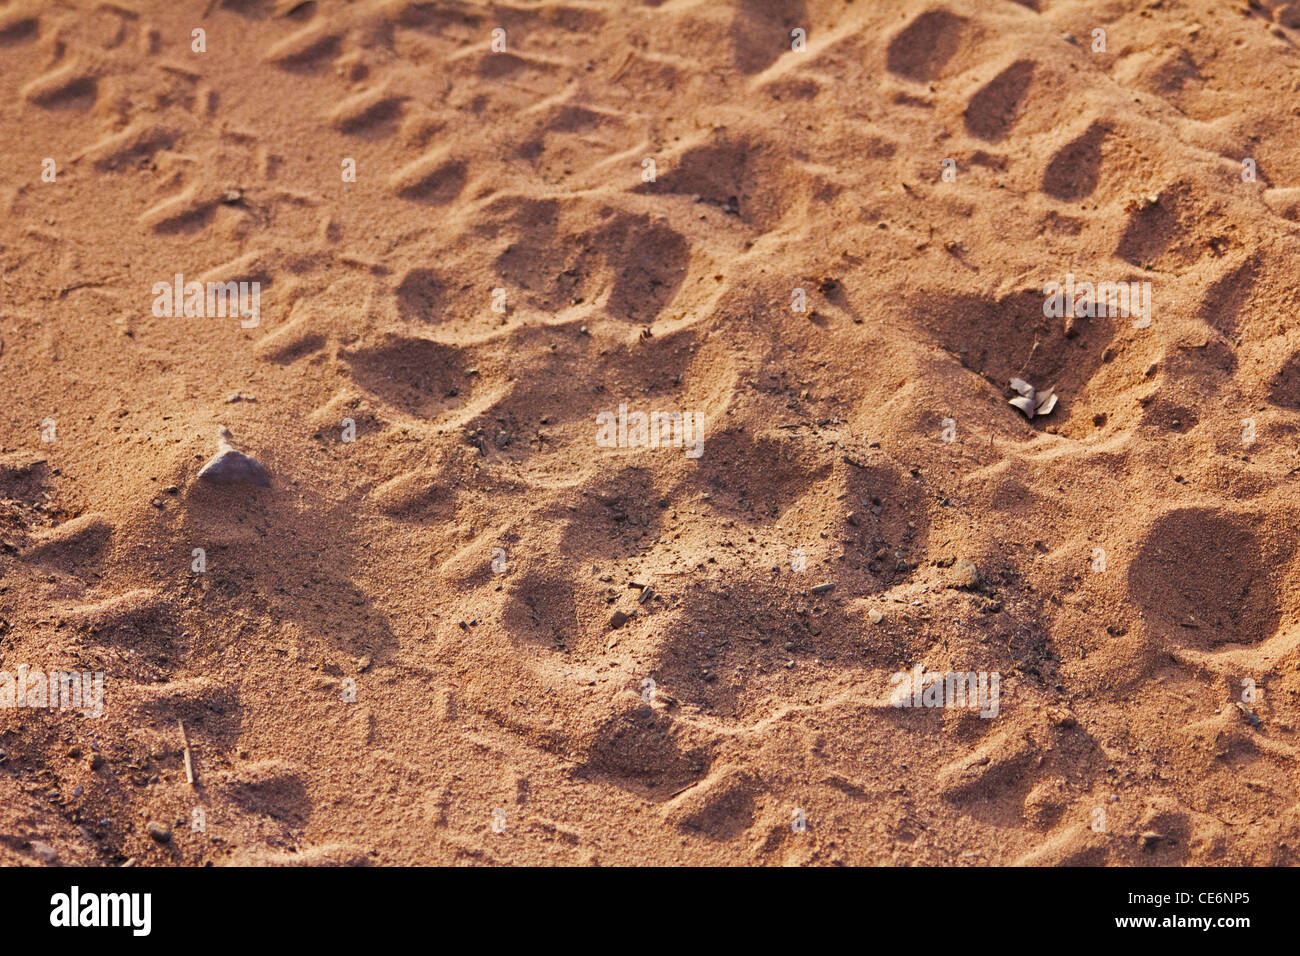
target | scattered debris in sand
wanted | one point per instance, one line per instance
(434, 588)
(1142, 203)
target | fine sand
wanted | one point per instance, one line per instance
(470, 620)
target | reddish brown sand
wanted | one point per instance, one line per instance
(489, 701)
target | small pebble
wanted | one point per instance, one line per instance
(44, 852)
(964, 575)
(232, 467)
(159, 832)
(875, 616)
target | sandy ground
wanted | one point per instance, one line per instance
(458, 626)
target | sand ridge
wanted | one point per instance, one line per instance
(456, 628)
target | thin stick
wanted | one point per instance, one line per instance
(189, 761)
(92, 284)
(627, 61)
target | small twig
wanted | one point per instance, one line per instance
(627, 61)
(92, 284)
(189, 760)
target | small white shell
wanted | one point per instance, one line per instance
(1025, 404)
